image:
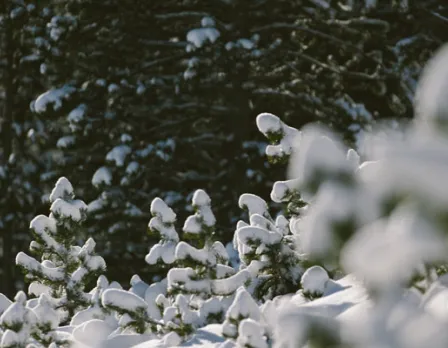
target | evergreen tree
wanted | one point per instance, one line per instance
(198, 286)
(96, 310)
(18, 323)
(23, 155)
(61, 269)
(243, 307)
(190, 79)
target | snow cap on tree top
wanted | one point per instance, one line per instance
(20, 297)
(102, 282)
(253, 203)
(63, 189)
(243, 305)
(201, 198)
(269, 123)
(161, 210)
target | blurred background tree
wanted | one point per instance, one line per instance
(146, 99)
(22, 154)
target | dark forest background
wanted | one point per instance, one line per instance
(136, 99)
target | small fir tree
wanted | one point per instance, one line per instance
(18, 323)
(64, 269)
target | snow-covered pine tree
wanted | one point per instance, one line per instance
(162, 226)
(243, 307)
(47, 321)
(198, 287)
(398, 212)
(96, 310)
(18, 323)
(61, 269)
(267, 249)
(201, 271)
(141, 308)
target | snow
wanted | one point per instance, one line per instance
(132, 168)
(374, 254)
(200, 198)
(203, 216)
(112, 88)
(185, 251)
(271, 126)
(282, 189)
(189, 73)
(9, 339)
(246, 44)
(314, 280)
(77, 114)
(103, 175)
(198, 37)
(353, 158)
(185, 278)
(160, 210)
(45, 312)
(251, 334)
(43, 224)
(431, 95)
(253, 233)
(92, 333)
(4, 303)
(206, 337)
(139, 287)
(141, 89)
(37, 289)
(399, 246)
(74, 209)
(96, 205)
(18, 318)
(161, 252)
(124, 300)
(31, 265)
(62, 189)
(118, 154)
(253, 203)
(320, 153)
(66, 141)
(357, 112)
(54, 97)
(207, 22)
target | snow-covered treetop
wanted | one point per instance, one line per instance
(161, 210)
(163, 220)
(253, 204)
(203, 221)
(162, 225)
(243, 306)
(279, 134)
(63, 189)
